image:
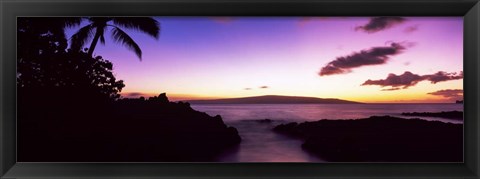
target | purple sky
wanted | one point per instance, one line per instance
(212, 57)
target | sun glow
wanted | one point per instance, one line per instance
(240, 57)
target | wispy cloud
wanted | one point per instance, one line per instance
(222, 20)
(443, 76)
(397, 82)
(454, 94)
(408, 79)
(411, 29)
(134, 95)
(260, 87)
(302, 21)
(377, 24)
(372, 56)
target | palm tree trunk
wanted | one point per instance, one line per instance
(94, 41)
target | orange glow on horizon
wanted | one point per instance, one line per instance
(246, 57)
(416, 98)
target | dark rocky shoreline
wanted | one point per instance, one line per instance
(379, 139)
(457, 115)
(129, 130)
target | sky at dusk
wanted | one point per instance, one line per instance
(373, 60)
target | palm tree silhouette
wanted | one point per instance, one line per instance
(98, 25)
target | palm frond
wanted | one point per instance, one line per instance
(71, 21)
(81, 37)
(147, 25)
(102, 39)
(102, 34)
(120, 36)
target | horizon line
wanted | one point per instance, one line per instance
(189, 97)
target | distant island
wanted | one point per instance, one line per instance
(274, 99)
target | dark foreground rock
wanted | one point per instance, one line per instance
(457, 115)
(380, 139)
(129, 130)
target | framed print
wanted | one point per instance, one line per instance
(240, 89)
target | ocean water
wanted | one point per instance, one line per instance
(260, 144)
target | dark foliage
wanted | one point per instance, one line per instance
(380, 139)
(69, 109)
(46, 68)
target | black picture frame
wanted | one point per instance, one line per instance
(10, 9)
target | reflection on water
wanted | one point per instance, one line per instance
(261, 144)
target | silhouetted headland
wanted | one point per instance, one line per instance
(457, 115)
(129, 130)
(380, 139)
(69, 107)
(274, 99)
